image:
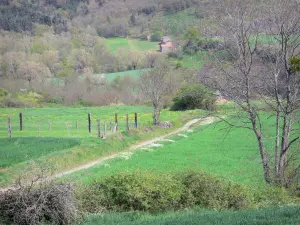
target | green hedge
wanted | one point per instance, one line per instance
(156, 193)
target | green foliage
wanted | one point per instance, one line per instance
(295, 64)
(83, 103)
(194, 97)
(22, 99)
(271, 195)
(156, 35)
(192, 34)
(3, 92)
(207, 191)
(9, 102)
(179, 64)
(153, 193)
(126, 192)
(56, 100)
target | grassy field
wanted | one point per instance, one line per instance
(60, 116)
(272, 216)
(130, 44)
(196, 61)
(57, 151)
(233, 156)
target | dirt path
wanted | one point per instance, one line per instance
(206, 120)
(187, 126)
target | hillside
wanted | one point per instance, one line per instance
(72, 43)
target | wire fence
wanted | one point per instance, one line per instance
(85, 125)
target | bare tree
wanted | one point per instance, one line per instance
(264, 66)
(154, 84)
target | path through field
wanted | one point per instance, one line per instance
(206, 120)
(187, 126)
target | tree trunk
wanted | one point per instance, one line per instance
(277, 143)
(156, 115)
(264, 159)
(264, 156)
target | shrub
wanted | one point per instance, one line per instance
(125, 192)
(49, 204)
(3, 92)
(156, 36)
(12, 103)
(149, 9)
(194, 97)
(207, 191)
(82, 102)
(57, 100)
(270, 195)
(208, 44)
(153, 193)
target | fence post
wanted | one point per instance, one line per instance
(104, 133)
(9, 126)
(39, 130)
(116, 121)
(90, 125)
(76, 126)
(110, 126)
(99, 128)
(127, 123)
(21, 121)
(136, 120)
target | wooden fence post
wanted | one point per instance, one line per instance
(90, 124)
(135, 120)
(116, 121)
(21, 121)
(99, 128)
(104, 133)
(127, 123)
(76, 126)
(110, 126)
(9, 126)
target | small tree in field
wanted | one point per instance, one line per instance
(155, 85)
(194, 97)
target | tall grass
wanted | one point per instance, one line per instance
(270, 216)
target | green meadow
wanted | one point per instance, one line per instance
(53, 121)
(232, 155)
(209, 148)
(115, 44)
(58, 149)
